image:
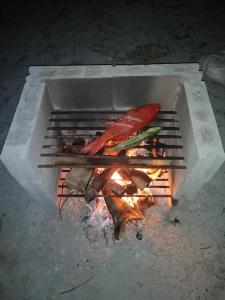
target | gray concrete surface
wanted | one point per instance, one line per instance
(42, 254)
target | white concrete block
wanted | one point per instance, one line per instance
(176, 87)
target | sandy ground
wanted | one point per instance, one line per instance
(42, 254)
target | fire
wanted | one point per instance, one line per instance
(131, 200)
(116, 176)
(121, 195)
(154, 175)
(121, 181)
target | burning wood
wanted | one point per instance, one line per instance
(115, 187)
(122, 185)
(90, 194)
(100, 180)
(131, 189)
(79, 178)
(139, 178)
(145, 203)
(98, 183)
(121, 212)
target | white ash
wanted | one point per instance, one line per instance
(98, 223)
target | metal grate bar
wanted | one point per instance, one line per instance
(147, 146)
(101, 196)
(118, 112)
(107, 120)
(101, 165)
(99, 127)
(157, 179)
(110, 158)
(73, 136)
(150, 187)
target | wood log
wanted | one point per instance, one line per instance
(115, 187)
(100, 180)
(97, 184)
(90, 194)
(139, 178)
(145, 203)
(121, 212)
(131, 189)
(78, 178)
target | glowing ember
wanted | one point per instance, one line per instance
(137, 152)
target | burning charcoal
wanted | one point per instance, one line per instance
(145, 202)
(121, 212)
(131, 189)
(133, 152)
(100, 180)
(115, 187)
(78, 178)
(139, 178)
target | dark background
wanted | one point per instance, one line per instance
(91, 32)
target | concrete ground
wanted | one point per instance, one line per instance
(42, 254)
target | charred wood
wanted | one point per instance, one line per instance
(115, 187)
(145, 203)
(100, 180)
(131, 189)
(139, 178)
(121, 212)
(78, 178)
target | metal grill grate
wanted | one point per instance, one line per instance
(67, 126)
(89, 124)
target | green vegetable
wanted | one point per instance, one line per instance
(133, 141)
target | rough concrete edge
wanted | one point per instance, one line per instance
(201, 99)
(16, 147)
(41, 73)
(15, 153)
(21, 146)
(210, 156)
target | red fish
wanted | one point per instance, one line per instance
(124, 127)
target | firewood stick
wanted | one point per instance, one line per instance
(100, 180)
(115, 187)
(121, 212)
(139, 178)
(97, 184)
(78, 178)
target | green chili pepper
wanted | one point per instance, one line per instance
(133, 141)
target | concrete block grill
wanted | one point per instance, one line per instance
(60, 103)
